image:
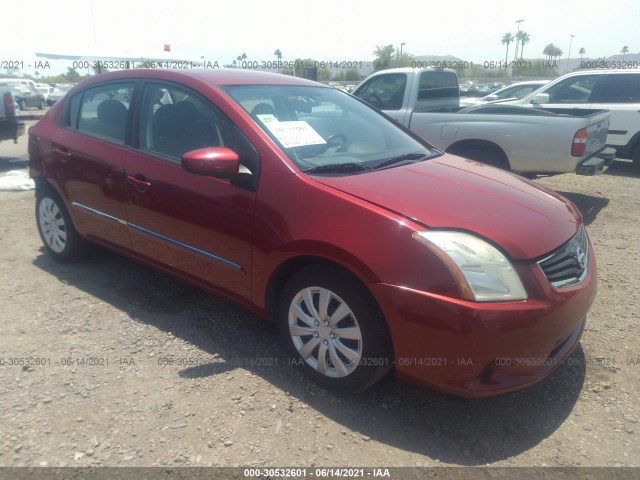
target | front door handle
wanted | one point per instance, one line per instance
(139, 182)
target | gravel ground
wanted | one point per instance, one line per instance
(133, 368)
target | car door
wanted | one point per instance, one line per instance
(196, 225)
(89, 156)
(619, 93)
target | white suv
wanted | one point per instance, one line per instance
(614, 90)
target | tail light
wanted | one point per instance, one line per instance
(579, 145)
(9, 105)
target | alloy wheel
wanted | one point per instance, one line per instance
(52, 225)
(325, 332)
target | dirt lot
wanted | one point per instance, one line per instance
(113, 383)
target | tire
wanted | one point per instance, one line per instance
(42, 104)
(348, 348)
(636, 157)
(23, 105)
(60, 238)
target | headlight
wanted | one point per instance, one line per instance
(482, 272)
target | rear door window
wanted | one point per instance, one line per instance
(103, 111)
(618, 88)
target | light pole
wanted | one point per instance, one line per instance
(401, 45)
(515, 56)
(569, 56)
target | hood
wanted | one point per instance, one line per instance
(524, 219)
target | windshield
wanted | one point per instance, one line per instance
(325, 131)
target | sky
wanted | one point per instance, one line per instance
(326, 30)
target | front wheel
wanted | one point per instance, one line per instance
(332, 326)
(60, 238)
(42, 104)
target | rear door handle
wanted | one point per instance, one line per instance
(63, 152)
(139, 182)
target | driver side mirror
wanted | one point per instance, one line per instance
(540, 98)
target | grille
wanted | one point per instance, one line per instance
(568, 264)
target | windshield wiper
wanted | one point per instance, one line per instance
(409, 158)
(337, 167)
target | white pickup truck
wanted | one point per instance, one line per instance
(524, 140)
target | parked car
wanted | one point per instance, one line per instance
(515, 91)
(27, 82)
(484, 89)
(371, 249)
(26, 97)
(10, 127)
(615, 90)
(45, 90)
(58, 92)
(468, 89)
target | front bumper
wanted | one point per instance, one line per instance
(481, 349)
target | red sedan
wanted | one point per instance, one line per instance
(371, 249)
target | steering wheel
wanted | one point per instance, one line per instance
(376, 100)
(333, 143)
(338, 140)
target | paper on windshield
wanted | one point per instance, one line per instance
(295, 134)
(267, 117)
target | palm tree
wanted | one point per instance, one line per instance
(278, 54)
(624, 51)
(548, 51)
(523, 38)
(507, 38)
(239, 59)
(582, 52)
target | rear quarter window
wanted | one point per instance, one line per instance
(437, 90)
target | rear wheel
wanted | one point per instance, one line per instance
(636, 156)
(60, 238)
(332, 326)
(489, 154)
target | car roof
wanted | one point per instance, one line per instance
(411, 70)
(217, 76)
(530, 82)
(603, 71)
